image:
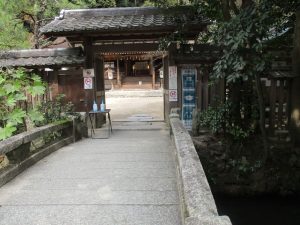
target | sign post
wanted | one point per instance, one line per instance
(173, 84)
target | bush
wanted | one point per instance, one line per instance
(56, 110)
(15, 86)
(218, 121)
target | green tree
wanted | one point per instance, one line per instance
(95, 3)
(243, 29)
(243, 33)
(25, 17)
(21, 19)
(12, 32)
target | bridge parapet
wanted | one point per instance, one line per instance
(18, 148)
(197, 202)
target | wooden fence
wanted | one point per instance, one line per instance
(277, 101)
(276, 92)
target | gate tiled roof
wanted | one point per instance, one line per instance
(132, 20)
(42, 57)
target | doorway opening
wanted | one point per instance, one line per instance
(134, 85)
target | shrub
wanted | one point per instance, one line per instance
(218, 120)
(15, 86)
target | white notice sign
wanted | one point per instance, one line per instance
(88, 82)
(172, 77)
(88, 72)
(173, 95)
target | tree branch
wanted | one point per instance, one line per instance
(28, 14)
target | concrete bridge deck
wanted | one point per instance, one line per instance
(129, 179)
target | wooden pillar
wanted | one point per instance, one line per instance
(90, 95)
(99, 87)
(171, 62)
(199, 89)
(272, 112)
(118, 73)
(126, 67)
(152, 71)
(205, 90)
(281, 95)
(295, 84)
(166, 89)
(54, 90)
(99, 74)
(179, 87)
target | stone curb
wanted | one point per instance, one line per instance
(197, 202)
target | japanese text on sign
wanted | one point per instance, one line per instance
(172, 77)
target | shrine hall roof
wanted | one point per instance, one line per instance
(131, 20)
(42, 57)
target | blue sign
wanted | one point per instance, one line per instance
(188, 96)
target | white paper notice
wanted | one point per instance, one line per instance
(88, 83)
(173, 77)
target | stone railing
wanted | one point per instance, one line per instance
(197, 202)
(21, 154)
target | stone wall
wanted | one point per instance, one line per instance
(197, 202)
(16, 154)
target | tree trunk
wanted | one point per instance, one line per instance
(38, 22)
(226, 10)
(262, 116)
(36, 35)
(235, 99)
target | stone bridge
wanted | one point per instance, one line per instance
(141, 175)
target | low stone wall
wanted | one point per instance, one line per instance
(198, 205)
(18, 148)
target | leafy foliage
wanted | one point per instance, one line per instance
(56, 110)
(14, 86)
(162, 3)
(219, 120)
(9, 27)
(242, 41)
(25, 17)
(94, 3)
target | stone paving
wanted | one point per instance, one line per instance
(129, 179)
(131, 104)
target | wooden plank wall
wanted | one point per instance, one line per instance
(210, 92)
